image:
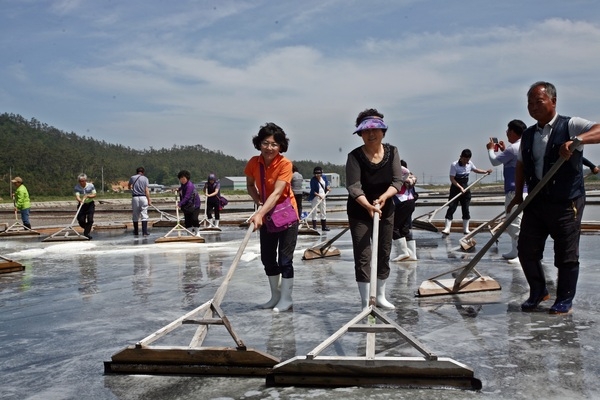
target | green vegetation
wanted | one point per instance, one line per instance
(49, 160)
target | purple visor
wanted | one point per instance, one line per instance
(371, 123)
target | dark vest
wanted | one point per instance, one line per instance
(375, 180)
(567, 183)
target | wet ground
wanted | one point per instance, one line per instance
(78, 303)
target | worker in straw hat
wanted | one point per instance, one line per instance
(21, 200)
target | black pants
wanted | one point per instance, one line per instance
(85, 217)
(403, 219)
(562, 222)
(299, 204)
(191, 219)
(212, 205)
(464, 201)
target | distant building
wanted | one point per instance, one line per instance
(333, 178)
(233, 182)
(156, 188)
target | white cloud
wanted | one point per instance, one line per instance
(196, 74)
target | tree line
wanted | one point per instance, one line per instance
(49, 160)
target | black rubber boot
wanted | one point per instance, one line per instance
(145, 228)
(136, 228)
(314, 224)
(324, 225)
(87, 230)
(565, 288)
(28, 226)
(534, 273)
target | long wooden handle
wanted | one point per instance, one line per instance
(456, 197)
(223, 288)
(374, 256)
(510, 218)
(315, 207)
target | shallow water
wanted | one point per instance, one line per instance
(78, 303)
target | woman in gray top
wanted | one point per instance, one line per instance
(297, 180)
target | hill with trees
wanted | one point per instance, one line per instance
(49, 160)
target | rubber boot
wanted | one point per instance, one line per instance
(87, 230)
(566, 286)
(314, 224)
(447, 227)
(403, 252)
(513, 253)
(285, 302)
(466, 230)
(538, 292)
(363, 289)
(380, 299)
(324, 225)
(27, 225)
(198, 232)
(145, 228)
(216, 223)
(136, 228)
(412, 249)
(274, 282)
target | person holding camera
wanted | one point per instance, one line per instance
(506, 155)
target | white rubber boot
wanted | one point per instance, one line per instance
(363, 289)
(446, 230)
(285, 302)
(198, 232)
(380, 298)
(216, 223)
(274, 282)
(466, 230)
(513, 253)
(403, 252)
(412, 249)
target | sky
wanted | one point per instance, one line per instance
(447, 75)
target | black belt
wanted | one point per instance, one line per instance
(139, 195)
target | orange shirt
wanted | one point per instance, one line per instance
(279, 170)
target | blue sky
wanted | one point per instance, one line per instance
(447, 75)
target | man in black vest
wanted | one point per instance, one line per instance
(556, 211)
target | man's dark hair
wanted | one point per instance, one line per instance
(550, 88)
(140, 169)
(517, 126)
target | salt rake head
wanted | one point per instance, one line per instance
(426, 226)
(467, 244)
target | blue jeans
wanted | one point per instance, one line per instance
(25, 216)
(277, 251)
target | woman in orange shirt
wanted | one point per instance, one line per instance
(268, 179)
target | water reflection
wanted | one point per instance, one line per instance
(88, 285)
(191, 278)
(282, 336)
(142, 276)
(214, 267)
